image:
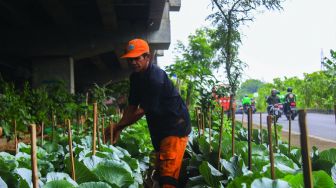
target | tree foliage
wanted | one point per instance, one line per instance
(250, 86)
(195, 64)
(230, 16)
(314, 91)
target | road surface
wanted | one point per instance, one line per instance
(321, 126)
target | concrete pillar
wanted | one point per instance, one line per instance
(50, 69)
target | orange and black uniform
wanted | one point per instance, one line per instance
(167, 117)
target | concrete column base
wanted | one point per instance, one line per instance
(52, 69)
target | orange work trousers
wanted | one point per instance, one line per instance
(169, 160)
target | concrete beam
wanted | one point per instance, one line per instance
(107, 13)
(156, 8)
(13, 16)
(51, 69)
(163, 34)
(57, 11)
(174, 5)
(78, 43)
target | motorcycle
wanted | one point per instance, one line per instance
(246, 107)
(275, 111)
(292, 111)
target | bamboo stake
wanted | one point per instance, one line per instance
(33, 155)
(249, 137)
(233, 115)
(64, 126)
(203, 123)
(98, 135)
(243, 119)
(111, 132)
(275, 132)
(86, 112)
(270, 146)
(335, 112)
(220, 138)
(306, 163)
(15, 138)
(72, 160)
(261, 135)
(94, 135)
(197, 120)
(103, 130)
(82, 122)
(210, 122)
(53, 127)
(289, 132)
(42, 133)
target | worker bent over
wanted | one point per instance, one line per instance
(153, 94)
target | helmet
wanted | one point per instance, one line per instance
(274, 92)
(289, 89)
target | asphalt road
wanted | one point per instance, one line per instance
(321, 126)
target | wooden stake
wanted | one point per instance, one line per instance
(103, 130)
(87, 103)
(243, 119)
(335, 112)
(53, 127)
(72, 160)
(270, 146)
(210, 122)
(233, 115)
(261, 135)
(275, 132)
(203, 123)
(64, 126)
(42, 133)
(198, 124)
(111, 132)
(289, 132)
(98, 135)
(220, 138)
(306, 163)
(87, 98)
(33, 155)
(15, 138)
(249, 137)
(94, 135)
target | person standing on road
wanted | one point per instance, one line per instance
(152, 94)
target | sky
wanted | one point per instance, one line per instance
(276, 44)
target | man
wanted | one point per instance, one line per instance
(272, 99)
(153, 94)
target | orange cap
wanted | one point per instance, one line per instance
(136, 48)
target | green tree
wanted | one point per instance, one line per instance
(248, 87)
(194, 66)
(230, 16)
(330, 64)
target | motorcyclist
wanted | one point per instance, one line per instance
(272, 99)
(289, 97)
(246, 102)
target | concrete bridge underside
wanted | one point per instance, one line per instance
(79, 41)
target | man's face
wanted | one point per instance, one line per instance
(138, 64)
